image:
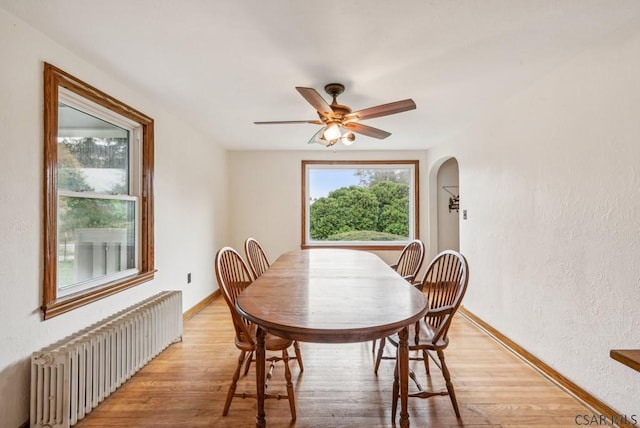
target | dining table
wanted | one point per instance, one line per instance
(328, 295)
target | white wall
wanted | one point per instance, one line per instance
(267, 194)
(551, 182)
(190, 208)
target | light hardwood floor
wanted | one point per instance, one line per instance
(186, 386)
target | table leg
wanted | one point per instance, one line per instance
(403, 368)
(260, 375)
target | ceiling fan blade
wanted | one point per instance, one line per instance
(315, 99)
(369, 131)
(382, 110)
(280, 122)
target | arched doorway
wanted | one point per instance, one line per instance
(444, 216)
(448, 206)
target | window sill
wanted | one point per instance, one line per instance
(68, 303)
(373, 247)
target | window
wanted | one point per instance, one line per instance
(98, 191)
(359, 204)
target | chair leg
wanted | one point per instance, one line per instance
(373, 346)
(380, 353)
(287, 376)
(296, 347)
(247, 363)
(425, 358)
(447, 378)
(234, 384)
(396, 392)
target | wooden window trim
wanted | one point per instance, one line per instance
(55, 78)
(416, 219)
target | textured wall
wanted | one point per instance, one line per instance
(551, 182)
(190, 215)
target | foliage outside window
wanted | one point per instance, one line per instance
(368, 204)
(98, 208)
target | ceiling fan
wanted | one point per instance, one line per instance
(339, 122)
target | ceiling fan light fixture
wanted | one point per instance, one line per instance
(348, 138)
(318, 138)
(326, 143)
(332, 132)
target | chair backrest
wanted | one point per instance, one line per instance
(445, 283)
(233, 277)
(258, 261)
(410, 260)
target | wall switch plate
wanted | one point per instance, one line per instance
(189, 278)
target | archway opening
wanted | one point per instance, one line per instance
(448, 206)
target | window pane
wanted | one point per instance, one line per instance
(359, 204)
(93, 155)
(96, 238)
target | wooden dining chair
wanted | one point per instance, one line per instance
(410, 260)
(408, 265)
(233, 277)
(445, 284)
(257, 258)
(259, 263)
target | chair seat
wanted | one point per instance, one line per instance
(425, 338)
(271, 342)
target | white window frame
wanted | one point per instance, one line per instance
(135, 129)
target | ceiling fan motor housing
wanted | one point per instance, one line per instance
(334, 89)
(339, 110)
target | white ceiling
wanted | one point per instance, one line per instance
(222, 64)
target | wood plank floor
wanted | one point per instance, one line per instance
(187, 384)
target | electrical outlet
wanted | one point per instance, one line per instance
(189, 278)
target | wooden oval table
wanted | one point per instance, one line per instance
(332, 296)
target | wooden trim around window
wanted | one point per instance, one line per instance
(54, 78)
(373, 247)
